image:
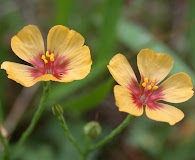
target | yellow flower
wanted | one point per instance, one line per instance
(132, 96)
(66, 58)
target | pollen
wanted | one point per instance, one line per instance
(47, 57)
(149, 84)
(47, 54)
(155, 88)
(51, 57)
(44, 58)
(146, 80)
(149, 87)
(143, 84)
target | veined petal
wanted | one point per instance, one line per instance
(153, 65)
(164, 113)
(19, 73)
(177, 88)
(121, 70)
(79, 65)
(124, 101)
(28, 43)
(23, 74)
(61, 40)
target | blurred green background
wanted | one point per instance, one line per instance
(109, 27)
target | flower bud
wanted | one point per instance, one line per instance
(57, 110)
(92, 129)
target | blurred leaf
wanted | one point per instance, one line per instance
(90, 99)
(180, 151)
(108, 34)
(137, 38)
(30, 152)
(63, 11)
(191, 31)
(62, 148)
(147, 135)
(107, 41)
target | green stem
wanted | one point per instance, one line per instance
(5, 147)
(37, 114)
(69, 135)
(115, 132)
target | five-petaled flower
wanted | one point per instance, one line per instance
(132, 96)
(66, 58)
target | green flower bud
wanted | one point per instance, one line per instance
(92, 129)
(57, 110)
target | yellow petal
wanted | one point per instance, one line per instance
(121, 70)
(124, 101)
(22, 74)
(19, 73)
(79, 65)
(177, 88)
(46, 77)
(61, 40)
(152, 65)
(28, 43)
(165, 113)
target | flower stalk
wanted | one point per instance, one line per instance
(37, 114)
(68, 134)
(5, 144)
(115, 132)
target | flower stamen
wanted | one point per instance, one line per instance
(155, 88)
(151, 85)
(44, 59)
(47, 57)
(146, 80)
(143, 84)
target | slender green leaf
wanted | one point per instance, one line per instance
(191, 31)
(108, 29)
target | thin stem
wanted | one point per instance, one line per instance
(3, 141)
(37, 114)
(5, 146)
(115, 132)
(69, 135)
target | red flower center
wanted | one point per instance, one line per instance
(48, 60)
(49, 64)
(145, 94)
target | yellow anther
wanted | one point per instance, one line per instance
(46, 61)
(153, 80)
(47, 54)
(47, 57)
(143, 84)
(43, 57)
(52, 57)
(149, 87)
(146, 80)
(155, 88)
(52, 54)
